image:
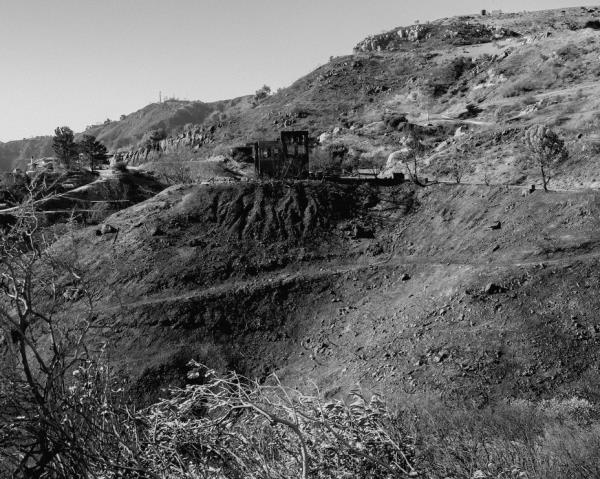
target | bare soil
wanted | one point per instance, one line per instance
(407, 291)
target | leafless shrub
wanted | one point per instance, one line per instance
(174, 173)
(58, 415)
(232, 427)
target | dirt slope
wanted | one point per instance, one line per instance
(271, 277)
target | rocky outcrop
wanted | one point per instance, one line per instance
(391, 40)
(456, 33)
(192, 138)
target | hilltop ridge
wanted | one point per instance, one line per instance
(475, 80)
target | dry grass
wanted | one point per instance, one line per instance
(550, 439)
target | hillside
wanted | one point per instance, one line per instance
(490, 76)
(469, 308)
(475, 82)
(19, 152)
(170, 116)
(341, 284)
(386, 287)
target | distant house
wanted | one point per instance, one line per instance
(42, 164)
(367, 172)
(287, 157)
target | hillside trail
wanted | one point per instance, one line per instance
(583, 87)
(69, 195)
(319, 272)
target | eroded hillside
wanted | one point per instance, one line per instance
(466, 292)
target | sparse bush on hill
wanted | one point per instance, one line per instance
(174, 173)
(414, 155)
(569, 52)
(323, 163)
(262, 93)
(152, 138)
(443, 77)
(456, 166)
(520, 87)
(547, 151)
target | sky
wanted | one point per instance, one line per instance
(79, 62)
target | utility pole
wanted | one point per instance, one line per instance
(159, 96)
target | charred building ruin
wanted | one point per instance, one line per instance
(287, 157)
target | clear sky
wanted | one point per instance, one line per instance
(78, 62)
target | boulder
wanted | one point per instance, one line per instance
(156, 231)
(493, 288)
(460, 131)
(106, 229)
(359, 232)
(323, 137)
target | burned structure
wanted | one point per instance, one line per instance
(287, 157)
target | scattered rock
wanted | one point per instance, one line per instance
(196, 242)
(359, 231)
(405, 277)
(460, 131)
(375, 249)
(323, 137)
(493, 288)
(106, 229)
(72, 294)
(156, 231)
(496, 226)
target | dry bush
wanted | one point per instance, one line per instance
(59, 417)
(230, 427)
(520, 439)
(174, 173)
(520, 87)
(176, 168)
(324, 163)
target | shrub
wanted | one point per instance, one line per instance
(232, 427)
(518, 439)
(569, 52)
(262, 93)
(520, 86)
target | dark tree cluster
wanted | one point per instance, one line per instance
(69, 152)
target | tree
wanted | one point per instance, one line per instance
(459, 165)
(414, 153)
(547, 151)
(92, 150)
(152, 138)
(262, 92)
(64, 146)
